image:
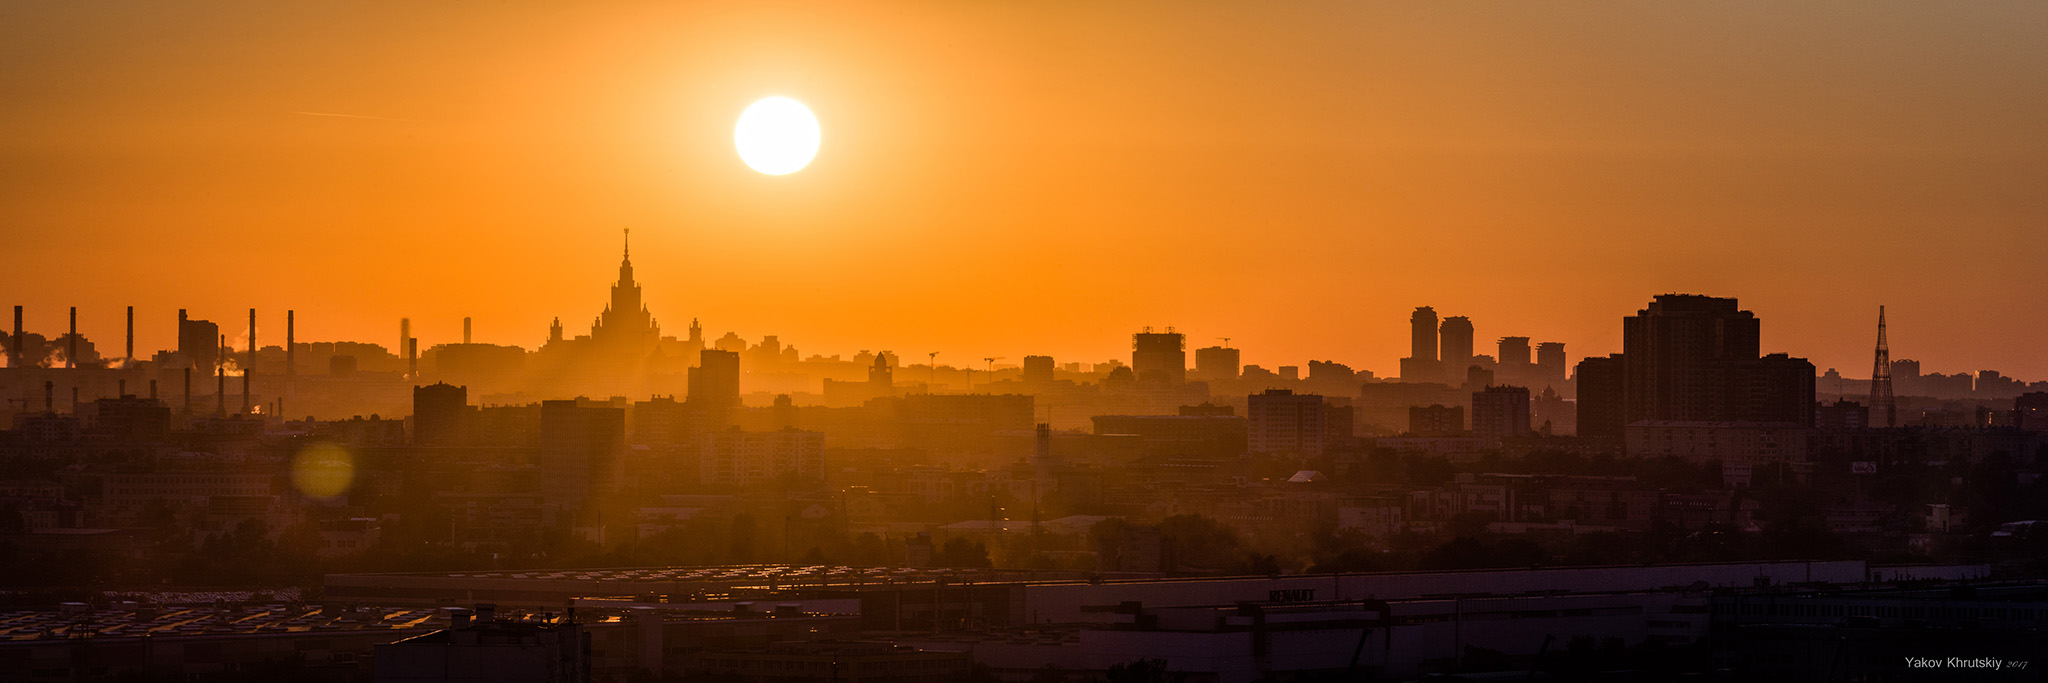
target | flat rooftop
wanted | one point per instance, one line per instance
(747, 575)
(240, 619)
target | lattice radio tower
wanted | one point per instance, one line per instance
(1881, 379)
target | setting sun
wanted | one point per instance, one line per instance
(777, 136)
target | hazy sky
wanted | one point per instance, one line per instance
(1000, 179)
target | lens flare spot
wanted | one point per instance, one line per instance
(323, 471)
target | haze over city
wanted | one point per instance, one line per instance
(1059, 169)
(1107, 342)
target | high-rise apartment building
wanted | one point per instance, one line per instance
(1679, 353)
(1422, 365)
(736, 458)
(1455, 346)
(1436, 420)
(1500, 412)
(1550, 364)
(715, 382)
(1601, 405)
(1283, 422)
(1160, 357)
(441, 415)
(1038, 369)
(1217, 362)
(582, 454)
(1422, 334)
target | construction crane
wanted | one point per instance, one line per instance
(1226, 341)
(991, 372)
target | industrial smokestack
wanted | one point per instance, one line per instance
(130, 355)
(220, 390)
(14, 343)
(121, 389)
(71, 351)
(249, 369)
(152, 390)
(465, 329)
(291, 339)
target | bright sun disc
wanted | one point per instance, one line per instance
(777, 136)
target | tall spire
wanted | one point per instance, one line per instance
(626, 263)
(1881, 379)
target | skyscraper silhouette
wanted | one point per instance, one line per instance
(1678, 353)
(1513, 361)
(1550, 364)
(1455, 344)
(1421, 364)
(1422, 333)
(625, 326)
(1602, 406)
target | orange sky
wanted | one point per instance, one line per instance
(1000, 179)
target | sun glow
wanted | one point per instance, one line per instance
(777, 136)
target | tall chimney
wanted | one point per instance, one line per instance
(220, 390)
(412, 359)
(121, 388)
(249, 369)
(152, 390)
(404, 333)
(291, 339)
(71, 352)
(465, 329)
(130, 355)
(14, 343)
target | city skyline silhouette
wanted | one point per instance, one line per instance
(1063, 342)
(1146, 192)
